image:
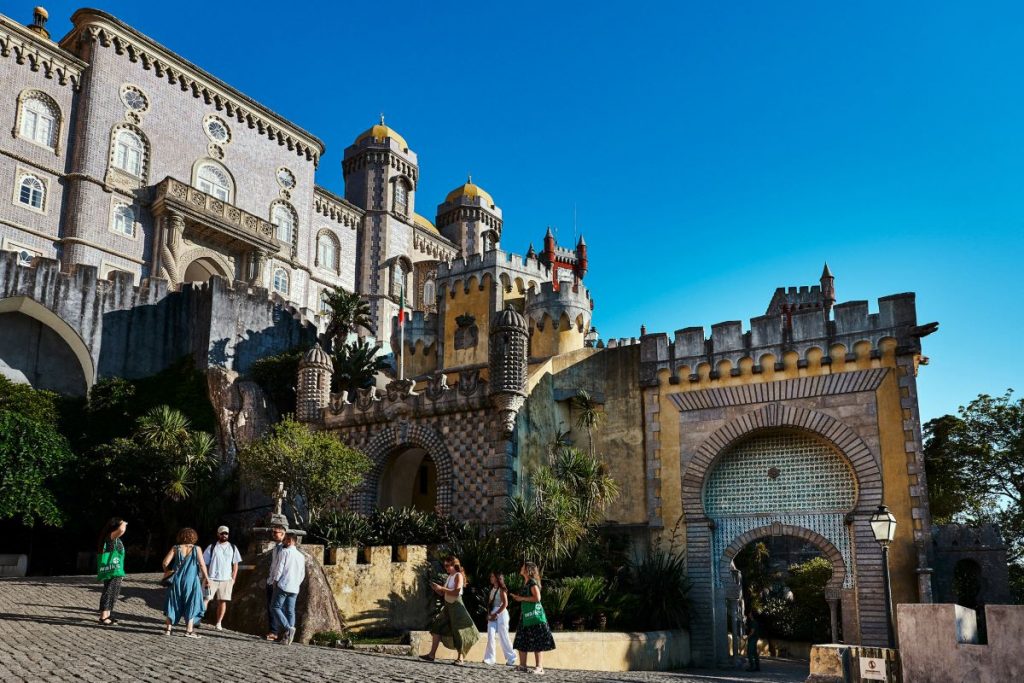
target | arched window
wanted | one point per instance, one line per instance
(327, 252)
(401, 197)
(283, 217)
(40, 119)
(429, 294)
(214, 180)
(32, 192)
(400, 281)
(281, 281)
(123, 220)
(129, 152)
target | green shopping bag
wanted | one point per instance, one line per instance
(110, 564)
(533, 614)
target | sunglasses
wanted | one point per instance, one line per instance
(223, 533)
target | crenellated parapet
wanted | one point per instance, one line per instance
(421, 331)
(851, 329)
(512, 270)
(107, 323)
(398, 400)
(549, 306)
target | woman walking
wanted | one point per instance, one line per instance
(452, 625)
(497, 622)
(183, 566)
(110, 566)
(533, 634)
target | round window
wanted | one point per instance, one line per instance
(217, 130)
(286, 178)
(134, 99)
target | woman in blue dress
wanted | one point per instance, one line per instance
(183, 567)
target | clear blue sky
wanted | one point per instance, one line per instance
(714, 150)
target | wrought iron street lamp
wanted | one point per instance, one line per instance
(883, 526)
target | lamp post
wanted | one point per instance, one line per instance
(883, 526)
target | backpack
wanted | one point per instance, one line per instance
(210, 548)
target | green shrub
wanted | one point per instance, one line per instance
(340, 528)
(655, 592)
(277, 376)
(328, 638)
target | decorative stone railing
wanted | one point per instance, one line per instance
(175, 196)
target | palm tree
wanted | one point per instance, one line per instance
(348, 312)
(356, 365)
(589, 416)
(164, 432)
(587, 483)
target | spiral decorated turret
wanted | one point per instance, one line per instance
(314, 389)
(509, 337)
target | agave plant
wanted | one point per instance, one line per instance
(340, 528)
(586, 593)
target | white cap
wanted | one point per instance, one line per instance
(223, 530)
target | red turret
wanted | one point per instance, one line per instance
(581, 258)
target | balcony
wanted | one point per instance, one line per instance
(214, 222)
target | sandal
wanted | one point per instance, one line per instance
(107, 622)
(426, 658)
(458, 662)
(522, 668)
(271, 637)
(167, 631)
(192, 634)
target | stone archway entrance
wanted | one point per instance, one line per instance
(54, 357)
(202, 269)
(408, 480)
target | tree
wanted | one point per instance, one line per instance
(317, 469)
(589, 416)
(569, 497)
(975, 470)
(32, 454)
(347, 312)
(277, 375)
(356, 365)
(34, 404)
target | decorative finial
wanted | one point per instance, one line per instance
(382, 118)
(39, 19)
(469, 178)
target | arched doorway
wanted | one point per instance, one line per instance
(202, 269)
(39, 347)
(409, 479)
(780, 482)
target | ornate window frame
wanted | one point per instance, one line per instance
(144, 159)
(279, 269)
(58, 119)
(20, 176)
(293, 241)
(117, 203)
(213, 118)
(131, 87)
(216, 165)
(326, 233)
(20, 249)
(403, 184)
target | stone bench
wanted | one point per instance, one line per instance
(13, 565)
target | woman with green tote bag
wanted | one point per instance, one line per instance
(533, 634)
(110, 566)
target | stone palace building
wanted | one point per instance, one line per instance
(156, 212)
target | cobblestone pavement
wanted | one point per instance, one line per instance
(48, 632)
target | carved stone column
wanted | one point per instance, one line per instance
(832, 597)
(174, 228)
(256, 260)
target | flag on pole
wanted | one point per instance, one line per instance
(401, 306)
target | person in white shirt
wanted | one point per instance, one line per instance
(222, 560)
(497, 622)
(287, 574)
(277, 535)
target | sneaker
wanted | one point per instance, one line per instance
(290, 637)
(539, 671)
(219, 627)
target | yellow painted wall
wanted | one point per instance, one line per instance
(477, 304)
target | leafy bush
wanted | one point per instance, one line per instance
(328, 638)
(391, 526)
(655, 591)
(340, 528)
(32, 454)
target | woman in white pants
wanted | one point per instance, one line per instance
(497, 622)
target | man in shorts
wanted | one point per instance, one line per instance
(222, 559)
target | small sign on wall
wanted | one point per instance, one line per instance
(872, 669)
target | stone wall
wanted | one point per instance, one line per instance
(934, 649)
(385, 589)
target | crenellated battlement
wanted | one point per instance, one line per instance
(573, 302)
(370, 406)
(420, 327)
(219, 323)
(497, 262)
(851, 326)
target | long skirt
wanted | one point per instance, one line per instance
(536, 638)
(455, 626)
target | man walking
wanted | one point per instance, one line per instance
(277, 535)
(288, 577)
(222, 560)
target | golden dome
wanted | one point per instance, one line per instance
(41, 11)
(380, 133)
(425, 223)
(471, 191)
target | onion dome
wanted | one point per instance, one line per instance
(317, 357)
(380, 133)
(470, 191)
